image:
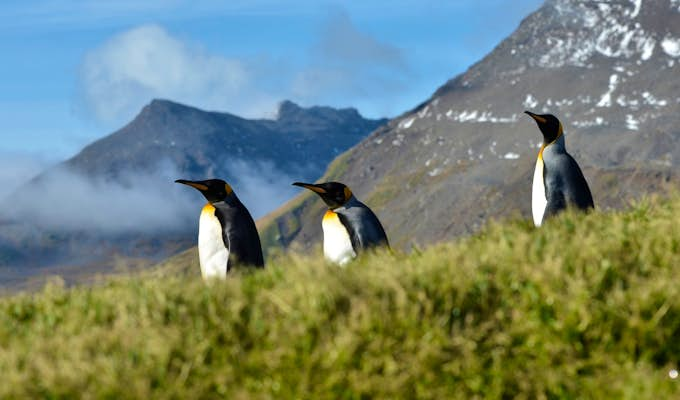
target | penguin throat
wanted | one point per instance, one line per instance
(560, 135)
(228, 201)
(557, 144)
(346, 204)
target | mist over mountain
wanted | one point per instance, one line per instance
(608, 69)
(118, 196)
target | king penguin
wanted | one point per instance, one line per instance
(558, 180)
(227, 236)
(349, 226)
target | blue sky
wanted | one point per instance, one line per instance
(74, 71)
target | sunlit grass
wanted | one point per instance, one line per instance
(586, 307)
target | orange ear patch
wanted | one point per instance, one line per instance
(228, 188)
(348, 193)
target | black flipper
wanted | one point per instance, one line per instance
(364, 228)
(565, 186)
(239, 235)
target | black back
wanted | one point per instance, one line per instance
(239, 234)
(365, 230)
(565, 185)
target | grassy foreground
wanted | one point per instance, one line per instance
(586, 307)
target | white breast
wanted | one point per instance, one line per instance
(538, 199)
(212, 253)
(337, 246)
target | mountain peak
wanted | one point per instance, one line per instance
(161, 103)
(573, 33)
(164, 105)
(289, 110)
(162, 108)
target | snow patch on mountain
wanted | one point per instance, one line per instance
(598, 121)
(530, 101)
(675, 4)
(425, 112)
(637, 4)
(613, 30)
(407, 123)
(606, 99)
(477, 116)
(647, 49)
(671, 46)
(624, 101)
(653, 101)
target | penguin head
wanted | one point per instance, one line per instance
(550, 126)
(215, 190)
(334, 194)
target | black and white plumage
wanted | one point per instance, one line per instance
(227, 236)
(349, 226)
(558, 180)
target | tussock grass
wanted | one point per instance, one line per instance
(586, 307)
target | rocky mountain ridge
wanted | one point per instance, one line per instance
(608, 69)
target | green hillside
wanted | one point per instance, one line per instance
(585, 307)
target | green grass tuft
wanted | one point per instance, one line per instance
(586, 307)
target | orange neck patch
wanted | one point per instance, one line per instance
(330, 214)
(208, 208)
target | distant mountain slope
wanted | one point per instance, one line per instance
(200, 142)
(117, 195)
(609, 69)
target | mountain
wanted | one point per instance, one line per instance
(117, 196)
(608, 69)
(198, 143)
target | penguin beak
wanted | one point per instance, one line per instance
(311, 186)
(536, 118)
(196, 185)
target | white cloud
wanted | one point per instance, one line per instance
(17, 169)
(351, 65)
(341, 41)
(146, 62)
(345, 67)
(66, 200)
(137, 201)
(260, 186)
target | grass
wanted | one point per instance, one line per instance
(588, 306)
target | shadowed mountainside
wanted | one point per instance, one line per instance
(608, 69)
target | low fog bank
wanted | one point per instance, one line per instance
(66, 201)
(261, 187)
(16, 169)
